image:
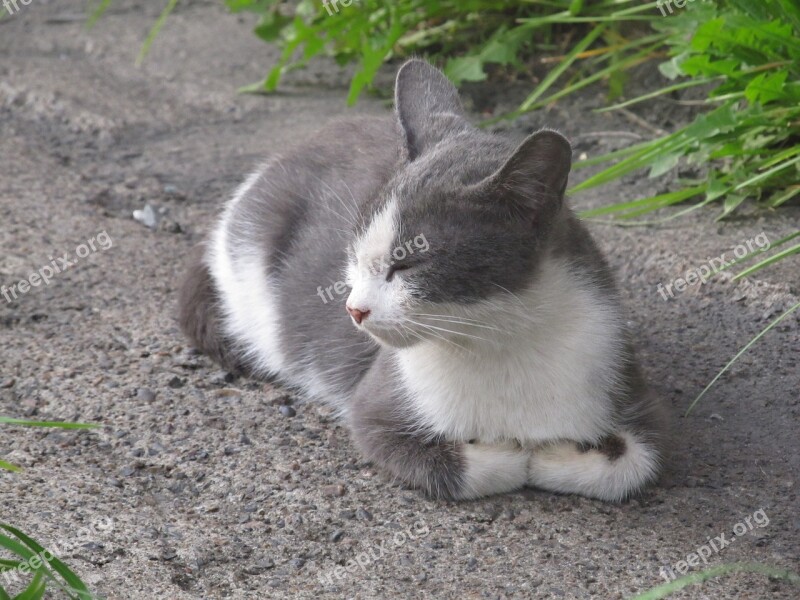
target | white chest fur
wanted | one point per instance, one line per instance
(551, 379)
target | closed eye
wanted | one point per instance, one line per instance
(395, 268)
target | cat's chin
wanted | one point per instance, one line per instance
(392, 338)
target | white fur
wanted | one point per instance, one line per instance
(542, 372)
(367, 275)
(562, 467)
(249, 304)
(493, 469)
(536, 368)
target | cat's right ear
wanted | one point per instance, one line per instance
(428, 106)
(535, 177)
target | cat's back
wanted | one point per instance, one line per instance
(323, 182)
(283, 236)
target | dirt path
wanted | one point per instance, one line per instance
(198, 486)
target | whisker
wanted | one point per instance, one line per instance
(445, 330)
(459, 322)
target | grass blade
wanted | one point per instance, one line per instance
(657, 93)
(8, 466)
(97, 13)
(768, 261)
(643, 205)
(151, 36)
(742, 351)
(57, 565)
(36, 589)
(767, 174)
(553, 75)
(665, 589)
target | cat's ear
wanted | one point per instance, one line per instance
(537, 172)
(428, 106)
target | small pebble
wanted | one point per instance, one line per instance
(337, 490)
(145, 395)
(287, 411)
(148, 216)
(222, 377)
(363, 514)
(336, 535)
(173, 191)
(260, 567)
(168, 554)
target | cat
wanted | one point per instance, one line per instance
(489, 355)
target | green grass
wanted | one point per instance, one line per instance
(745, 54)
(26, 553)
(29, 558)
(665, 589)
(744, 349)
(24, 423)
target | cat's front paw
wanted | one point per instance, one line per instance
(546, 459)
(493, 468)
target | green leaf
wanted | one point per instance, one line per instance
(664, 163)
(271, 25)
(716, 189)
(672, 68)
(766, 88)
(732, 202)
(465, 68)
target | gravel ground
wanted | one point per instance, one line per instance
(200, 485)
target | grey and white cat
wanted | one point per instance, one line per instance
(485, 347)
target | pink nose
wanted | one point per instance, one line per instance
(358, 315)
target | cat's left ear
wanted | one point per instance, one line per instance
(536, 174)
(428, 106)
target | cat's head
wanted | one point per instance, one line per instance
(464, 221)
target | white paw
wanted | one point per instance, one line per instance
(493, 468)
(543, 460)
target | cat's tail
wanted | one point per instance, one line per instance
(615, 469)
(200, 317)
